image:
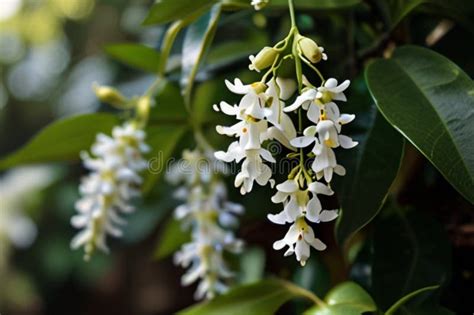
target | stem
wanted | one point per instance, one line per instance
(292, 13)
(308, 294)
(168, 42)
(314, 68)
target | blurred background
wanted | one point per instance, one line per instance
(51, 52)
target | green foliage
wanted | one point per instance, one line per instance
(299, 4)
(411, 251)
(396, 10)
(262, 298)
(429, 100)
(371, 166)
(393, 309)
(164, 11)
(171, 239)
(197, 40)
(347, 298)
(62, 140)
(162, 139)
(135, 55)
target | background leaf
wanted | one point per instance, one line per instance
(162, 139)
(371, 166)
(347, 298)
(410, 251)
(430, 101)
(262, 298)
(299, 4)
(62, 140)
(164, 11)
(135, 55)
(171, 239)
(197, 40)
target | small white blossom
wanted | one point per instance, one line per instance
(107, 190)
(258, 107)
(299, 238)
(325, 137)
(298, 203)
(208, 213)
(259, 4)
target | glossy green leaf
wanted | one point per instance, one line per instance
(171, 239)
(299, 4)
(347, 298)
(371, 166)
(262, 298)
(135, 55)
(410, 251)
(163, 140)
(62, 140)
(164, 11)
(396, 10)
(430, 101)
(393, 309)
(197, 40)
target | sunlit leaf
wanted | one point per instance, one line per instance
(347, 298)
(135, 55)
(261, 298)
(429, 100)
(62, 140)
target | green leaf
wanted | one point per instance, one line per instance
(347, 298)
(62, 140)
(197, 40)
(410, 251)
(162, 139)
(406, 298)
(299, 4)
(262, 298)
(135, 55)
(396, 10)
(164, 11)
(171, 239)
(169, 108)
(371, 166)
(429, 100)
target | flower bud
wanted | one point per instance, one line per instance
(263, 59)
(310, 49)
(110, 96)
(259, 87)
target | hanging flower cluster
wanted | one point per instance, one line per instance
(209, 216)
(262, 115)
(114, 179)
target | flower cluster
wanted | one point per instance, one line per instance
(107, 190)
(209, 215)
(260, 107)
(262, 115)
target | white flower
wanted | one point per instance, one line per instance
(300, 203)
(299, 238)
(331, 91)
(258, 106)
(327, 137)
(107, 190)
(259, 4)
(208, 213)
